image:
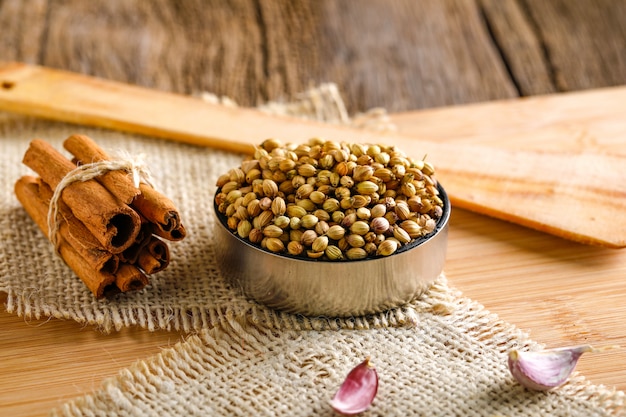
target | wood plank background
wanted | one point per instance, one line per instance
(403, 55)
(399, 54)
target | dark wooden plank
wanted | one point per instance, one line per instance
(131, 41)
(22, 25)
(519, 44)
(584, 41)
(185, 47)
(401, 54)
(397, 54)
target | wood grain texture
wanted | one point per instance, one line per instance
(23, 26)
(397, 54)
(402, 55)
(57, 360)
(583, 41)
(269, 50)
(428, 68)
(553, 123)
(519, 45)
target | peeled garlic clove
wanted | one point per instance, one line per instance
(357, 391)
(547, 369)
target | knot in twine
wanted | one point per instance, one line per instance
(134, 166)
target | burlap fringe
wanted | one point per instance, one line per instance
(242, 368)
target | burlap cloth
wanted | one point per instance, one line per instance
(442, 354)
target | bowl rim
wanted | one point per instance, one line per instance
(442, 222)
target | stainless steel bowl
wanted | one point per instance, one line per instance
(332, 288)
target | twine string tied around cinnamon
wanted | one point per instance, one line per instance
(133, 165)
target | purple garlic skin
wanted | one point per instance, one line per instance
(546, 369)
(357, 391)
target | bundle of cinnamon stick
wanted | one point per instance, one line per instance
(110, 229)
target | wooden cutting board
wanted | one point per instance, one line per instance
(574, 195)
(559, 291)
(583, 121)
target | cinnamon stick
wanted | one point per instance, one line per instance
(153, 205)
(130, 278)
(154, 257)
(131, 253)
(113, 223)
(106, 227)
(35, 197)
(97, 268)
(99, 281)
(101, 284)
(161, 211)
(86, 151)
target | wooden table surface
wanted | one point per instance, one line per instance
(401, 55)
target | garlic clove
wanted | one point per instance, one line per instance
(357, 391)
(546, 369)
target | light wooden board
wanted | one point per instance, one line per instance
(45, 363)
(560, 291)
(548, 191)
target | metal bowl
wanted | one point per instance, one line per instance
(332, 288)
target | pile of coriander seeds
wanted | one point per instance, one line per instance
(330, 201)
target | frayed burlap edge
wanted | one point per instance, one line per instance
(147, 387)
(107, 317)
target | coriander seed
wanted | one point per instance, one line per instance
(330, 200)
